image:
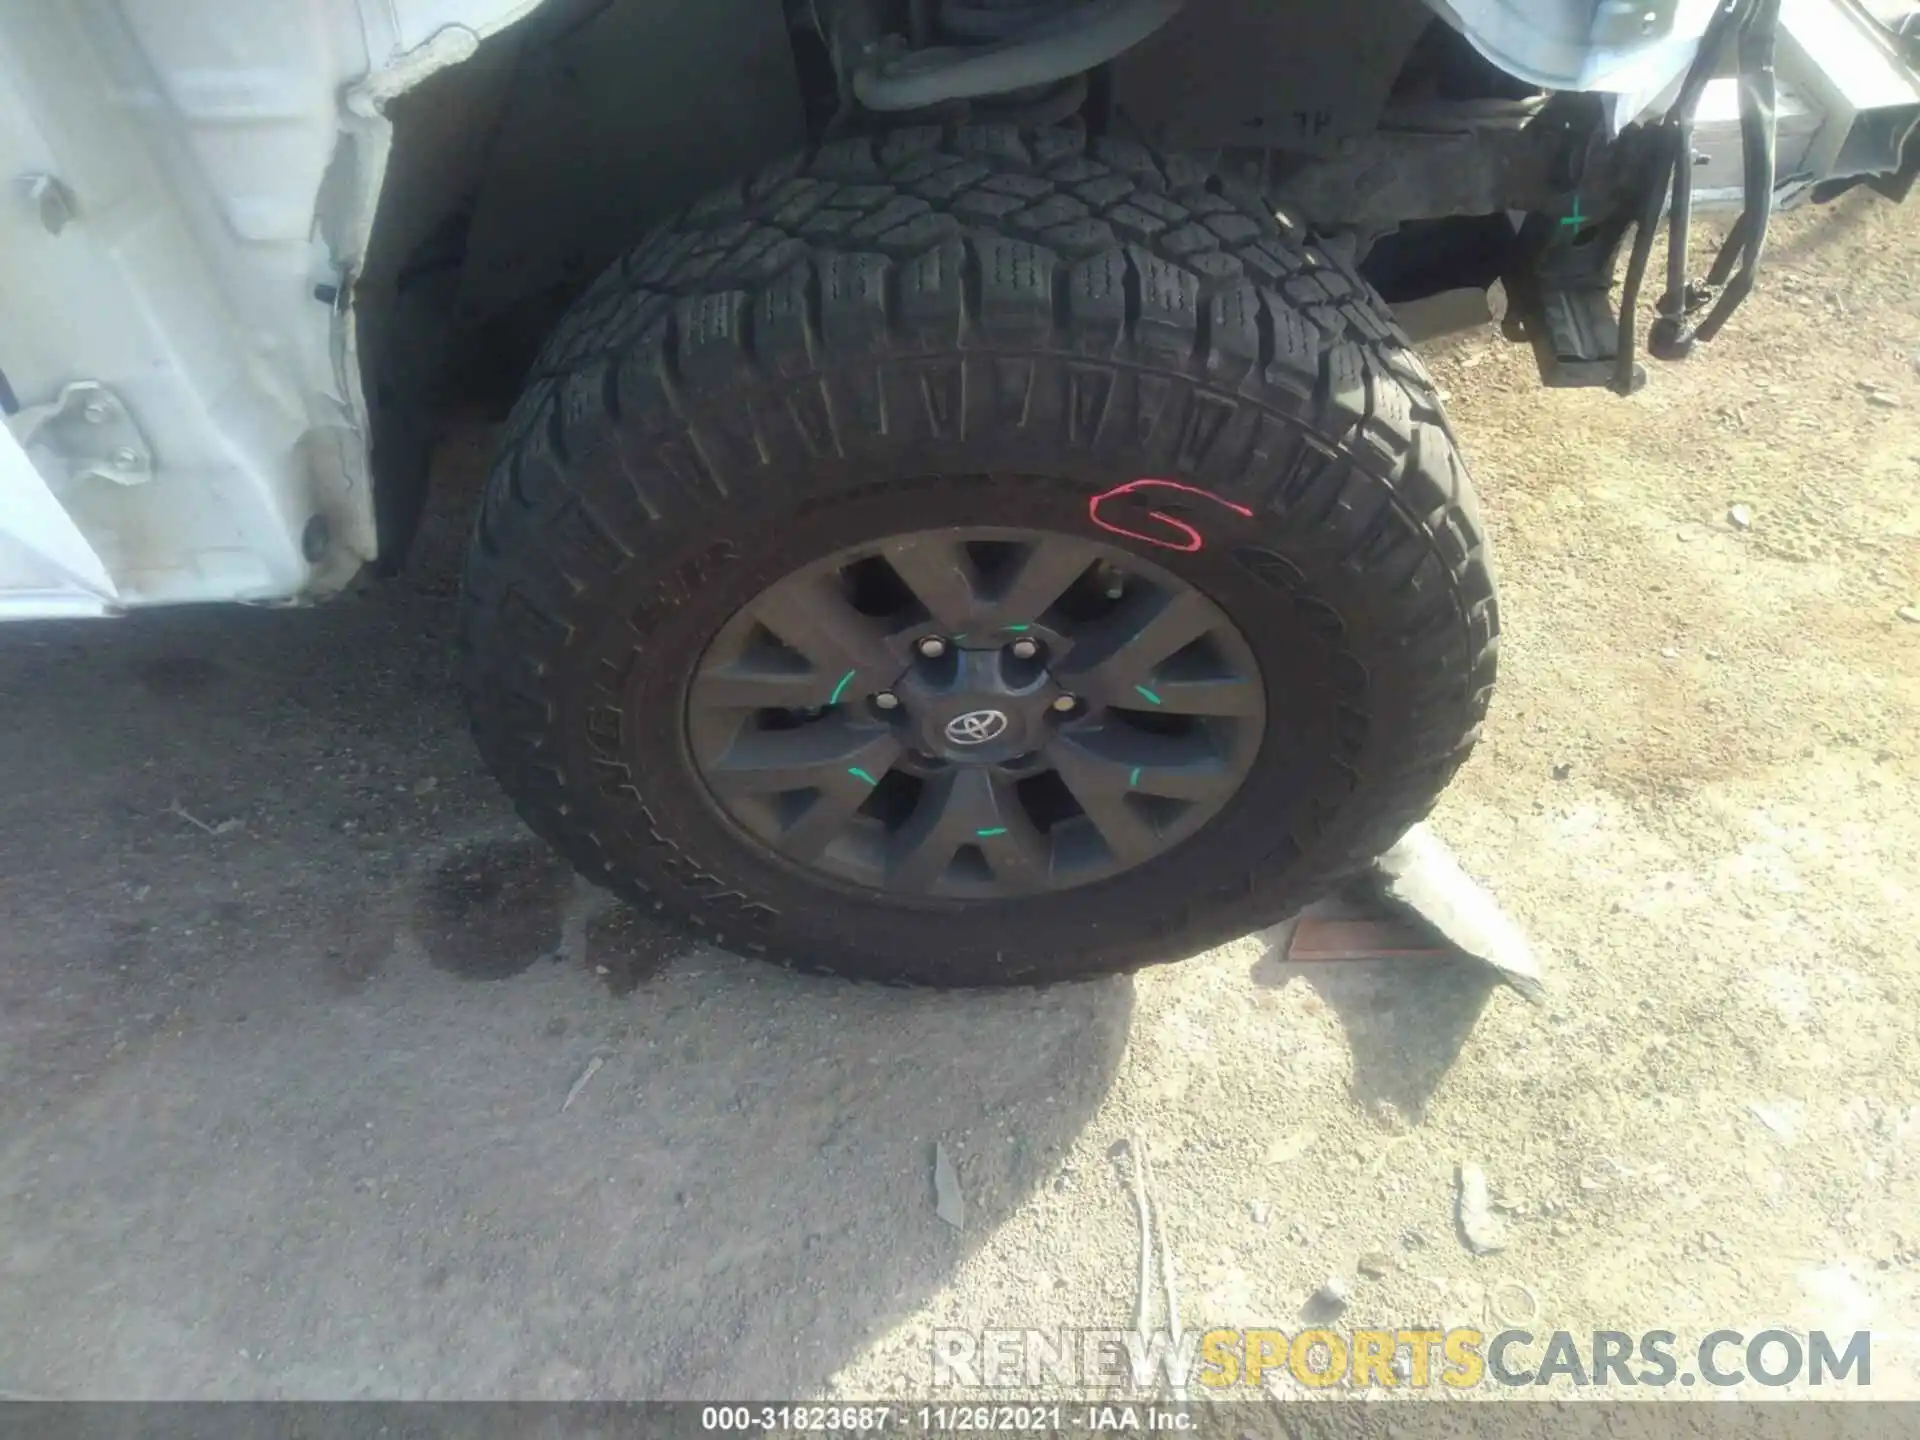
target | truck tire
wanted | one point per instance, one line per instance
(977, 557)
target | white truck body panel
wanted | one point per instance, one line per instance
(182, 175)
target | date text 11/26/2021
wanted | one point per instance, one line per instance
(946, 1419)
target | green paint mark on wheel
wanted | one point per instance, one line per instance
(1576, 219)
(1151, 697)
(989, 834)
(1016, 629)
(1134, 778)
(859, 774)
(840, 689)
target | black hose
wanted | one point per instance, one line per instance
(1759, 138)
(1626, 340)
(1064, 44)
(1746, 29)
(1679, 220)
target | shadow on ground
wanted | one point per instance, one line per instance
(319, 1078)
(1406, 1021)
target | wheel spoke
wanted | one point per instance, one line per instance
(942, 577)
(813, 617)
(1100, 786)
(743, 686)
(1232, 696)
(1048, 568)
(839, 795)
(967, 806)
(817, 757)
(1178, 767)
(1112, 660)
(1020, 857)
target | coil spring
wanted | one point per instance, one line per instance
(981, 22)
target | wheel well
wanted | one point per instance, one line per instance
(518, 176)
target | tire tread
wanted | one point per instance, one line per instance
(1005, 242)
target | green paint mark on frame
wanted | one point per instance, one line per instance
(1016, 629)
(1151, 697)
(989, 834)
(841, 688)
(1134, 778)
(859, 774)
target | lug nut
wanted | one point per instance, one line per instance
(933, 647)
(1067, 702)
(887, 700)
(1025, 649)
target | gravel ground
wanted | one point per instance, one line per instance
(318, 1078)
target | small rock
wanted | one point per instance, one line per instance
(1667, 652)
(1332, 1297)
(1740, 517)
(948, 1203)
(1909, 613)
(1713, 654)
(1414, 1240)
(1290, 1147)
(1689, 533)
(1775, 1117)
(1560, 1229)
(1261, 1211)
(1376, 1264)
(227, 827)
(1883, 400)
(426, 785)
(1563, 770)
(1483, 1233)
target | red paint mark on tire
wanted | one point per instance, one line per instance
(1190, 540)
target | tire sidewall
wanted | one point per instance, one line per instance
(624, 719)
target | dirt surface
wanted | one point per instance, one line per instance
(319, 1078)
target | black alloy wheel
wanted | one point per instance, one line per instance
(979, 713)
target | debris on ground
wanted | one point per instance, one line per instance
(948, 1203)
(1511, 1315)
(1421, 874)
(1479, 1227)
(1261, 1211)
(225, 827)
(1155, 1209)
(1331, 1298)
(1563, 770)
(1740, 517)
(1376, 1264)
(1776, 1118)
(1331, 931)
(1909, 613)
(1290, 1147)
(1882, 400)
(573, 1093)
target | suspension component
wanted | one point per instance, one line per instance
(1016, 49)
